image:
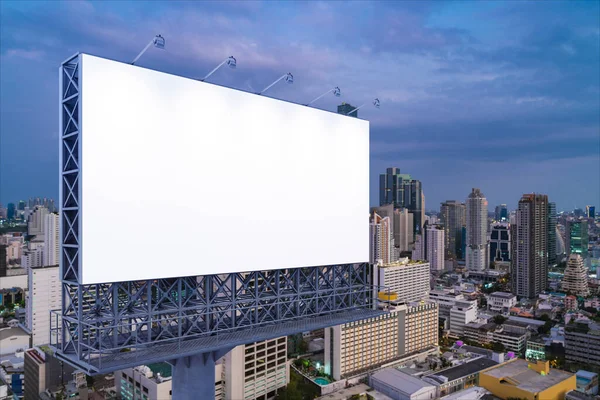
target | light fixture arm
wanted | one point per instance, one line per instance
(335, 90)
(158, 41)
(286, 76)
(143, 51)
(375, 103)
(229, 60)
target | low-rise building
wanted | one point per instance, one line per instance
(501, 302)
(519, 379)
(461, 314)
(400, 386)
(144, 382)
(461, 377)
(587, 382)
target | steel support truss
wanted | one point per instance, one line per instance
(110, 326)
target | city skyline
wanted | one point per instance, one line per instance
(455, 96)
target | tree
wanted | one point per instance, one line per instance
(89, 380)
(498, 347)
(9, 306)
(499, 319)
(544, 317)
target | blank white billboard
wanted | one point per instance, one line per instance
(184, 178)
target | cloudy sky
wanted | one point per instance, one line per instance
(504, 96)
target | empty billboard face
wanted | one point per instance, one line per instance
(183, 178)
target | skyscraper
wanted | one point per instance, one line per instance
(403, 229)
(345, 108)
(551, 233)
(590, 211)
(500, 242)
(575, 278)
(577, 238)
(402, 191)
(36, 221)
(453, 217)
(477, 258)
(435, 247)
(530, 259)
(51, 240)
(382, 239)
(501, 213)
(10, 211)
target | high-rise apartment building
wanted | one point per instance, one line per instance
(51, 239)
(408, 279)
(3, 260)
(530, 258)
(382, 239)
(590, 211)
(575, 277)
(551, 233)
(403, 229)
(453, 217)
(418, 250)
(501, 213)
(477, 251)
(36, 221)
(403, 192)
(500, 242)
(408, 331)
(256, 370)
(435, 247)
(577, 238)
(43, 296)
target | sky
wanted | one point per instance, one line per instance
(503, 96)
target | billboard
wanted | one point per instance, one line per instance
(184, 178)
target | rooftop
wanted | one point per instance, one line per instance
(403, 262)
(401, 381)
(466, 369)
(517, 373)
(505, 295)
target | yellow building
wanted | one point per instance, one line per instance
(533, 381)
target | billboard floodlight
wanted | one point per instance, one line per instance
(289, 78)
(375, 103)
(336, 92)
(158, 41)
(230, 61)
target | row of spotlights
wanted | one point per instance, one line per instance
(159, 42)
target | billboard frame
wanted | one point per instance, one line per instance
(104, 327)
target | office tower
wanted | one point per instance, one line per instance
(10, 211)
(382, 239)
(477, 257)
(44, 295)
(577, 238)
(21, 205)
(3, 260)
(36, 221)
(500, 242)
(345, 108)
(590, 211)
(403, 192)
(418, 252)
(530, 259)
(256, 370)
(422, 208)
(551, 233)
(403, 229)
(575, 278)
(453, 217)
(408, 280)
(51, 240)
(435, 247)
(408, 332)
(501, 213)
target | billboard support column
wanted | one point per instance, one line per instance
(193, 377)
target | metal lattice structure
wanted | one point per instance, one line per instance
(109, 326)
